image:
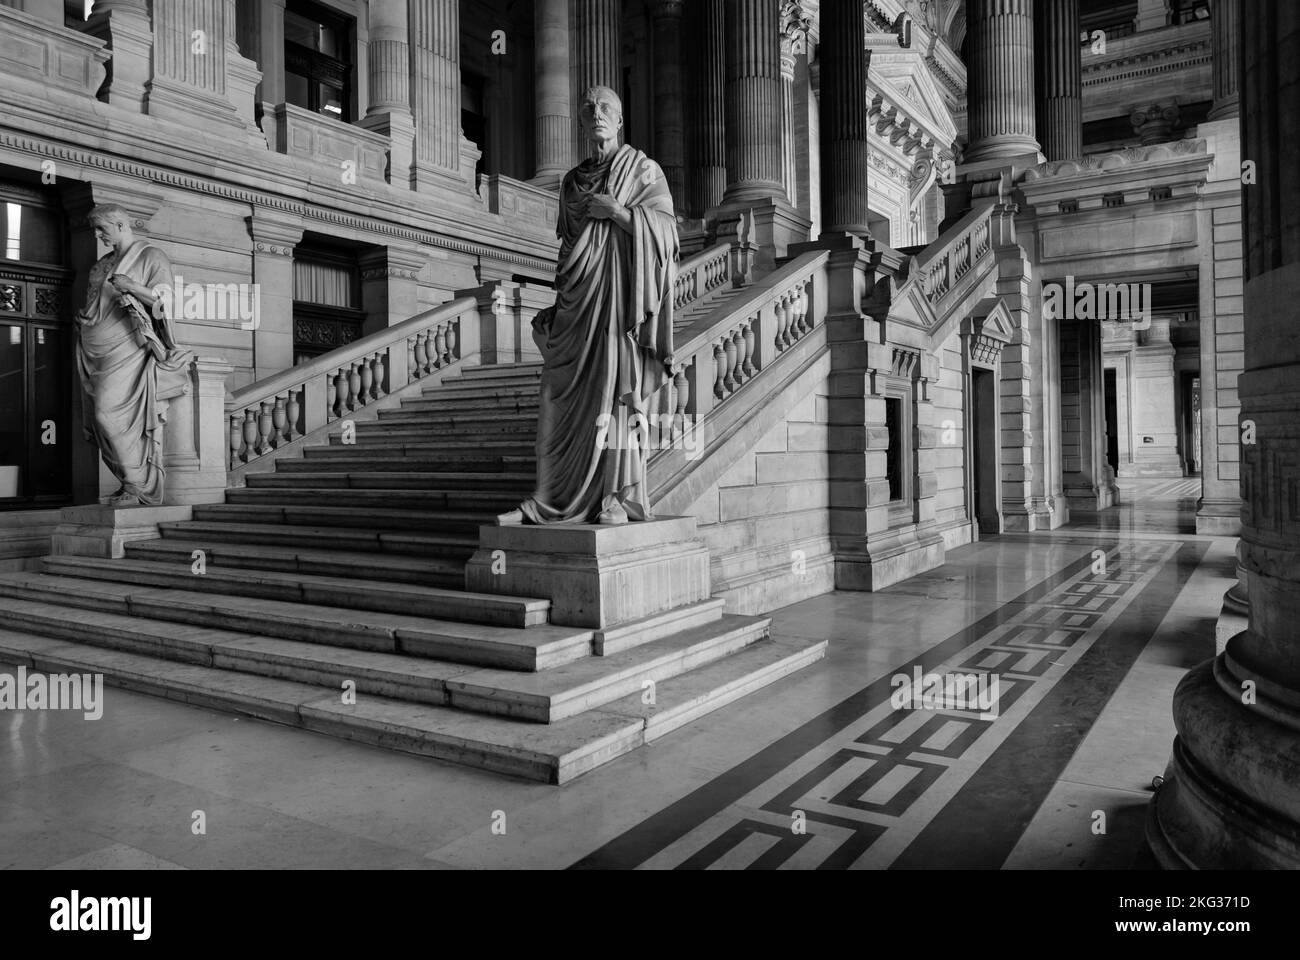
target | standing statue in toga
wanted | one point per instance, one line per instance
(607, 343)
(124, 337)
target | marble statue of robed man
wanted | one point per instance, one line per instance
(124, 336)
(607, 343)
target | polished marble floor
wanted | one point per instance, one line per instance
(1087, 632)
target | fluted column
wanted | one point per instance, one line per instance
(124, 26)
(670, 136)
(389, 71)
(434, 33)
(1060, 79)
(844, 60)
(1232, 798)
(1000, 79)
(553, 100)
(753, 100)
(1226, 38)
(794, 44)
(708, 140)
(598, 55)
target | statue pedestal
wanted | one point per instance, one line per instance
(595, 576)
(103, 531)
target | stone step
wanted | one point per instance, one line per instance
(438, 523)
(453, 390)
(420, 459)
(692, 695)
(544, 697)
(549, 753)
(421, 444)
(386, 542)
(438, 572)
(625, 636)
(478, 645)
(515, 382)
(500, 371)
(418, 427)
(472, 404)
(342, 592)
(549, 696)
(450, 420)
(324, 477)
(490, 502)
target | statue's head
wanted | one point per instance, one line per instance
(601, 112)
(110, 222)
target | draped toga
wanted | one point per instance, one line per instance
(119, 349)
(606, 347)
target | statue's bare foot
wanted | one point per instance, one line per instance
(124, 499)
(515, 518)
(614, 516)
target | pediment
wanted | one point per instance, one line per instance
(903, 80)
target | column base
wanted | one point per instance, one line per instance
(595, 576)
(1218, 518)
(1231, 795)
(103, 531)
(777, 226)
(888, 558)
(1234, 618)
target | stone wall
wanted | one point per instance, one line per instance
(765, 521)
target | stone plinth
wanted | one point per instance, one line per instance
(102, 531)
(595, 576)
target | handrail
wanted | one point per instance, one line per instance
(702, 274)
(272, 413)
(721, 354)
(947, 261)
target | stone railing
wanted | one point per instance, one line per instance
(717, 357)
(268, 416)
(347, 149)
(703, 273)
(948, 260)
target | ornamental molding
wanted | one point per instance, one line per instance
(1100, 163)
(260, 200)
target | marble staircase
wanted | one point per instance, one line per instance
(330, 595)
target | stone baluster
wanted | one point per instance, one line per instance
(354, 387)
(236, 439)
(264, 425)
(279, 421)
(722, 370)
(293, 411)
(340, 392)
(422, 352)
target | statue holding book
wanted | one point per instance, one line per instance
(124, 339)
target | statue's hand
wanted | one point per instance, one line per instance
(602, 206)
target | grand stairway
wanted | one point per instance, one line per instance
(328, 595)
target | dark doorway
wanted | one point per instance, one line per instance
(36, 350)
(986, 450)
(1189, 421)
(1112, 421)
